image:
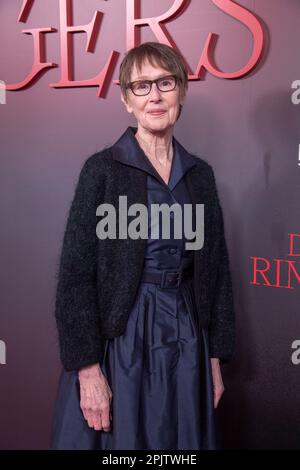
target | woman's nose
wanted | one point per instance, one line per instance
(154, 92)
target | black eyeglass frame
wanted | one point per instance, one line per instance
(156, 81)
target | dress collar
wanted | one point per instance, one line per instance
(128, 151)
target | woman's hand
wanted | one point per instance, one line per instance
(217, 380)
(95, 397)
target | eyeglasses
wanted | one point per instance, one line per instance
(143, 87)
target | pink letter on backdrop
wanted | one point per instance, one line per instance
(292, 252)
(206, 60)
(261, 271)
(39, 65)
(67, 66)
(156, 23)
(133, 13)
(241, 13)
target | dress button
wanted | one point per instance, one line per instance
(173, 251)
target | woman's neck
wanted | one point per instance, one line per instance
(158, 147)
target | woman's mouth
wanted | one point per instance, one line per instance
(156, 113)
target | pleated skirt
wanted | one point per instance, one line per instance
(159, 372)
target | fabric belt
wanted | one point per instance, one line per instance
(168, 278)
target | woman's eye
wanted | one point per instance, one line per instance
(142, 85)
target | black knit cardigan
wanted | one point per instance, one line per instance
(97, 280)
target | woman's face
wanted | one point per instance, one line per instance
(143, 106)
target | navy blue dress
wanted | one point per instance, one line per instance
(159, 370)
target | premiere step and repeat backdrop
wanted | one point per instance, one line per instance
(60, 103)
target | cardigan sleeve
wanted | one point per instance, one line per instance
(76, 296)
(222, 324)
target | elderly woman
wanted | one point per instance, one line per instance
(144, 322)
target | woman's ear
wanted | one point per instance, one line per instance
(126, 103)
(183, 95)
